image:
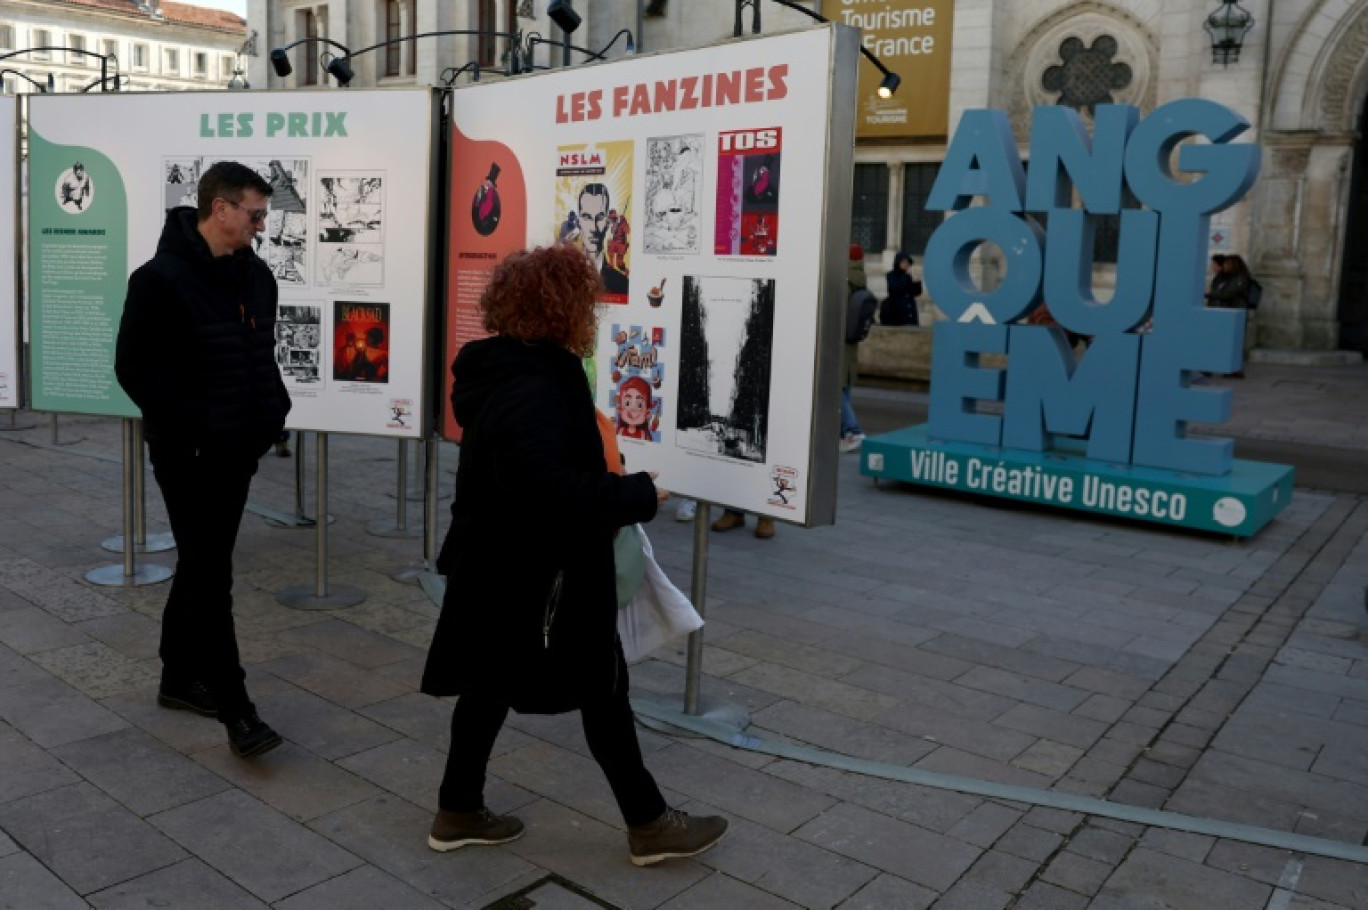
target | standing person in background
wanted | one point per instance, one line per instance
(900, 307)
(529, 621)
(852, 435)
(1233, 293)
(1233, 290)
(196, 353)
(1218, 274)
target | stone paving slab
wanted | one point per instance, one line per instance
(1187, 672)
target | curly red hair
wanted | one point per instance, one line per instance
(544, 294)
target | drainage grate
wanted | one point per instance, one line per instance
(551, 893)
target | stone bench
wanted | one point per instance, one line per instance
(897, 352)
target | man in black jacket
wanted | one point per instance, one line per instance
(196, 353)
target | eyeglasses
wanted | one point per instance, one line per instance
(257, 215)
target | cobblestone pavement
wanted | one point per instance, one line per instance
(1221, 679)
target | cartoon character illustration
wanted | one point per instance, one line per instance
(618, 233)
(634, 408)
(569, 229)
(486, 208)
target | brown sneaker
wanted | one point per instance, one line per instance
(672, 835)
(729, 521)
(764, 528)
(451, 830)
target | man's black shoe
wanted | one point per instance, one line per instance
(192, 696)
(249, 735)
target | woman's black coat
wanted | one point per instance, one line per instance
(533, 501)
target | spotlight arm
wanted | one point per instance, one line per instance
(813, 14)
(534, 39)
(512, 36)
(40, 86)
(294, 44)
(118, 79)
(452, 73)
(103, 58)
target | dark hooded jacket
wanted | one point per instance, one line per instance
(534, 502)
(196, 348)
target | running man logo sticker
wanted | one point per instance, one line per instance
(401, 409)
(783, 487)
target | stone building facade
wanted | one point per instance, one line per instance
(1301, 79)
(152, 45)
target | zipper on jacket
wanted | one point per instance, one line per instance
(246, 320)
(552, 603)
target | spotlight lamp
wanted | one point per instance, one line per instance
(888, 85)
(280, 62)
(340, 69)
(564, 15)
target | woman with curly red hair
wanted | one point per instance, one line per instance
(529, 620)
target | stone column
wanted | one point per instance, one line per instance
(893, 237)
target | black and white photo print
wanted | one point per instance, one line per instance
(725, 358)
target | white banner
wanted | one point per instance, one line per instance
(700, 182)
(9, 253)
(346, 237)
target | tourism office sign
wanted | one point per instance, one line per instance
(912, 38)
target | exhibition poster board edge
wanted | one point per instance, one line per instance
(836, 197)
(17, 255)
(434, 278)
(432, 214)
(431, 260)
(836, 204)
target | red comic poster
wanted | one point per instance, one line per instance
(361, 341)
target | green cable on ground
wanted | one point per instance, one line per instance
(1069, 802)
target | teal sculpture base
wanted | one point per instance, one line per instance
(1239, 503)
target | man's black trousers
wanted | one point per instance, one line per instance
(205, 494)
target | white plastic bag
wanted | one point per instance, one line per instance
(659, 612)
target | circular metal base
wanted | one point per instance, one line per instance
(418, 496)
(408, 574)
(156, 543)
(114, 577)
(306, 597)
(725, 713)
(385, 527)
(296, 522)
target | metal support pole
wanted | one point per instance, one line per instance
(299, 519)
(728, 714)
(321, 538)
(58, 442)
(321, 597)
(424, 571)
(156, 543)
(698, 593)
(14, 423)
(430, 484)
(400, 526)
(129, 573)
(299, 474)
